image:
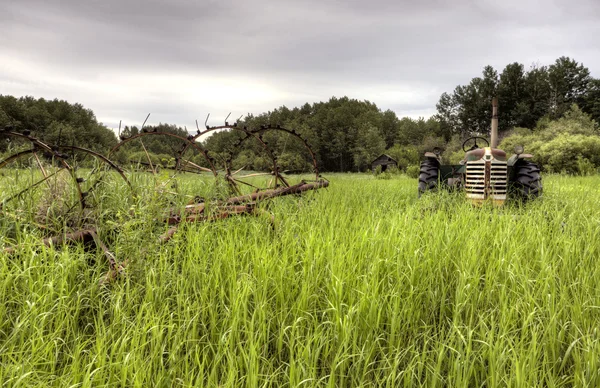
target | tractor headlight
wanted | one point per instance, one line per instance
(519, 149)
(437, 151)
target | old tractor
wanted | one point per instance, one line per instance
(485, 173)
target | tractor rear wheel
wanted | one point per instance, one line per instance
(527, 182)
(429, 175)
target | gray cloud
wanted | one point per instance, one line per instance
(180, 59)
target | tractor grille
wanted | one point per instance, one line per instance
(494, 172)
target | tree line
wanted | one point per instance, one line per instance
(347, 134)
(55, 121)
(525, 96)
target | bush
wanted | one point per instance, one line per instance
(384, 175)
(566, 153)
(245, 159)
(262, 163)
(413, 171)
(294, 162)
(431, 142)
(585, 167)
(404, 155)
(453, 152)
(157, 159)
(569, 145)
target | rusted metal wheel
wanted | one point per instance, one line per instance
(235, 177)
(49, 185)
(167, 176)
(265, 129)
(181, 165)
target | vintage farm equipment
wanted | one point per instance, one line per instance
(37, 172)
(57, 190)
(485, 173)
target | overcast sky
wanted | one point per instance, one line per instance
(181, 59)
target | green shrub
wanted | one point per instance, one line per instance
(569, 145)
(431, 142)
(585, 167)
(245, 159)
(157, 159)
(294, 162)
(453, 152)
(564, 153)
(413, 171)
(404, 155)
(384, 175)
(262, 163)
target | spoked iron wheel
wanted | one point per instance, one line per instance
(37, 185)
(242, 179)
(165, 175)
(295, 158)
(52, 187)
(99, 179)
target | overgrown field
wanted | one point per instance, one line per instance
(360, 284)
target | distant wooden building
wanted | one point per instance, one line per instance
(384, 161)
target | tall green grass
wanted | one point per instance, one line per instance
(360, 284)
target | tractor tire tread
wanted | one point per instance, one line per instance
(528, 181)
(428, 175)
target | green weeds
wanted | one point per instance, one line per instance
(360, 284)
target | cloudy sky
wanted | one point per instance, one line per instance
(181, 59)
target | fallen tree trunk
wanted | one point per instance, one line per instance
(296, 189)
(224, 212)
(199, 208)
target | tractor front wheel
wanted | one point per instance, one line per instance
(527, 182)
(429, 175)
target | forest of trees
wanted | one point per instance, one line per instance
(525, 96)
(55, 121)
(537, 105)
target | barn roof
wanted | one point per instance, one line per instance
(384, 156)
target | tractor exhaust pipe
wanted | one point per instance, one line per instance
(494, 134)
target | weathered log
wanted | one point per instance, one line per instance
(296, 189)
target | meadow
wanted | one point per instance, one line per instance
(359, 284)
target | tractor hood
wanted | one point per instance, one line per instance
(479, 153)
